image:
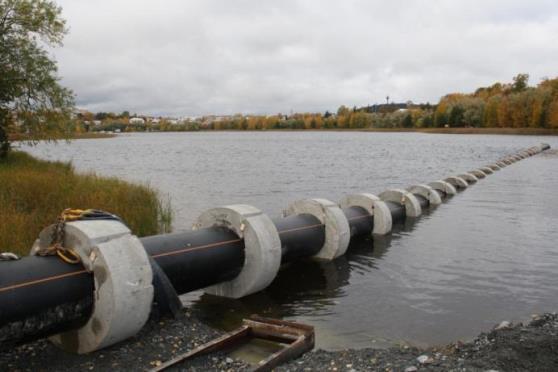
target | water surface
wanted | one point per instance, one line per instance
(488, 254)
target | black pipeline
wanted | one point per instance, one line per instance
(42, 296)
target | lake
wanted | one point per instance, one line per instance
(488, 254)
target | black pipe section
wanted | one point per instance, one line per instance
(397, 212)
(360, 221)
(25, 289)
(42, 296)
(302, 235)
(424, 203)
(197, 259)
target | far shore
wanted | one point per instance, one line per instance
(86, 135)
(471, 130)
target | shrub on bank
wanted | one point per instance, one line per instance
(33, 192)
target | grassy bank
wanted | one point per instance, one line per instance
(33, 192)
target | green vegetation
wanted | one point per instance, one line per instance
(31, 98)
(34, 192)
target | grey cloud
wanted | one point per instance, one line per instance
(198, 57)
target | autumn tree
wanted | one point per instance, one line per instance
(520, 83)
(30, 94)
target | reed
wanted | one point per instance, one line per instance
(33, 192)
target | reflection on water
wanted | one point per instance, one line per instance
(487, 254)
(306, 289)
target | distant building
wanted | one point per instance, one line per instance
(137, 121)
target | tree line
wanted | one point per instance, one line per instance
(500, 105)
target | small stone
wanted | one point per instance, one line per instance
(349, 366)
(411, 369)
(424, 359)
(505, 324)
(229, 360)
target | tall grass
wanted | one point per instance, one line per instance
(33, 192)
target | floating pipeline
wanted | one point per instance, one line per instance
(233, 251)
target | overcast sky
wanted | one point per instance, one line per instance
(223, 57)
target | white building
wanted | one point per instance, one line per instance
(137, 121)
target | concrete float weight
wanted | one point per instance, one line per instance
(374, 206)
(478, 173)
(486, 170)
(444, 187)
(262, 248)
(122, 277)
(426, 192)
(404, 198)
(457, 182)
(337, 230)
(468, 177)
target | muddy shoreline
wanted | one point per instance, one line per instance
(508, 347)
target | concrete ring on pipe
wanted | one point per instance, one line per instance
(426, 192)
(373, 205)
(478, 173)
(468, 177)
(123, 283)
(337, 230)
(443, 186)
(405, 198)
(487, 170)
(494, 167)
(457, 182)
(262, 248)
(507, 161)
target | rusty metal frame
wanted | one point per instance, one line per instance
(299, 339)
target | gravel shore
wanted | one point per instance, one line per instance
(508, 347)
